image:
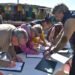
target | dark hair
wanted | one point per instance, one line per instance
(60, 8)
(37, 28)
(34, 30)
(20, 32)
(47, 20)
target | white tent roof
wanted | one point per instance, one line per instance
(48, 3)
(8, 1)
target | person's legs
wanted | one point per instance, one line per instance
(72, 41)
(69, 29)
(72, 69)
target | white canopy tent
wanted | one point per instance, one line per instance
(8, 1)
(47, 3)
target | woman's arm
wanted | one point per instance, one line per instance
(69, 29)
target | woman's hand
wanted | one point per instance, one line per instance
(12, 64)
(48, 52)
(17, 59)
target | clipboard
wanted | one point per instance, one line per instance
(40, 55)
(47, 66)
(18, 68)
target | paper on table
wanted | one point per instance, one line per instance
(40, 55)
(60, 58)
(63, 51)
(18, 67)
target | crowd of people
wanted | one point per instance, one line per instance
(56, 29)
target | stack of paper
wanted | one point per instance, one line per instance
(60, 58)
